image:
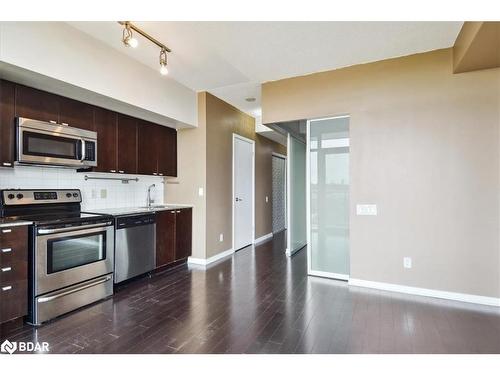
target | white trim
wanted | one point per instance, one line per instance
(252, 142)
(308, 196)
(330, 275)
(288, 197)
(215, 258)
(290, 253)
(471, 298)
(263, 238)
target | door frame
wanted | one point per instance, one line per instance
(310, 271)
(278, 155)
(252, 142)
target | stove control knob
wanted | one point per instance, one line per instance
(20, 196)
(10, 196)
(75, 195)
(68, 195)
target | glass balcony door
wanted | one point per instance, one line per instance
(328, 197)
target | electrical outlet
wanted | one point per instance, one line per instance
(200, 192)
(104, 193)
(407, 262)
(267, 199)
(366, 209)
(221, 237)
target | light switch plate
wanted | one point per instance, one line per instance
(267, 199)
(366, 209)
(407, 262)
(200, 192)
(221, 237)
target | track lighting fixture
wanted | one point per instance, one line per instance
(130, 41)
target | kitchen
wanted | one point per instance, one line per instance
(60, 159)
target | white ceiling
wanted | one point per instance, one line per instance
(232, 59)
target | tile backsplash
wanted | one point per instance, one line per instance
(95, 193)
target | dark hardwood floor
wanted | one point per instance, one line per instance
(260, 301)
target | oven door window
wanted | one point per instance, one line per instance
(38, 144)
(64, 253)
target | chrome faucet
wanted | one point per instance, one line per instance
(149, 201)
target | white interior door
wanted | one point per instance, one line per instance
(243, 192)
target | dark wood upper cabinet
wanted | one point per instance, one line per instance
(7, 123)
(76, 114)
(167, 152)
(183, 233)
(105, 126)
(35, 104)
(126, 144)
(165, 238)
(147, 147)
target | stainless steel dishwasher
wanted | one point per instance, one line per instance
(135, 246)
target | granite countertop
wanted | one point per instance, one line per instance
(6, 222)
(138, 210)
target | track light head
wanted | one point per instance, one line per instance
(127, 37)
(163, 62)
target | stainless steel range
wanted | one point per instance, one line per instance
(71, 252)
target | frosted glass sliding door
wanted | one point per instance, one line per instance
(328, 190)
(296, 197)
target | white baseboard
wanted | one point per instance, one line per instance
(471, 298)
(263, 238)
(215, 258)
(330, 275)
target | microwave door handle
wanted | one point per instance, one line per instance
(83, 150)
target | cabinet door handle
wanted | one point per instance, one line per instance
(121, 171)
(7, 250)
(172, 212)
(53, 122)
(160, 174)
(64, 123)
(6, 288)
(6, 164)
(155, 174)
(178, 212)
(6, 269)
(112, 170)
(6, 230)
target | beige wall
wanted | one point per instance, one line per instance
(477, 47)
(222, 120)
(425, 149)
(192, 171)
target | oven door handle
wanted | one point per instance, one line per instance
(52, 297)
(59, 230)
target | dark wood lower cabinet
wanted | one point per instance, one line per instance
(13, 273)
(173, 236)
(183, 233)
(165, 238)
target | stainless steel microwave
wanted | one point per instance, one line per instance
(47, 143)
